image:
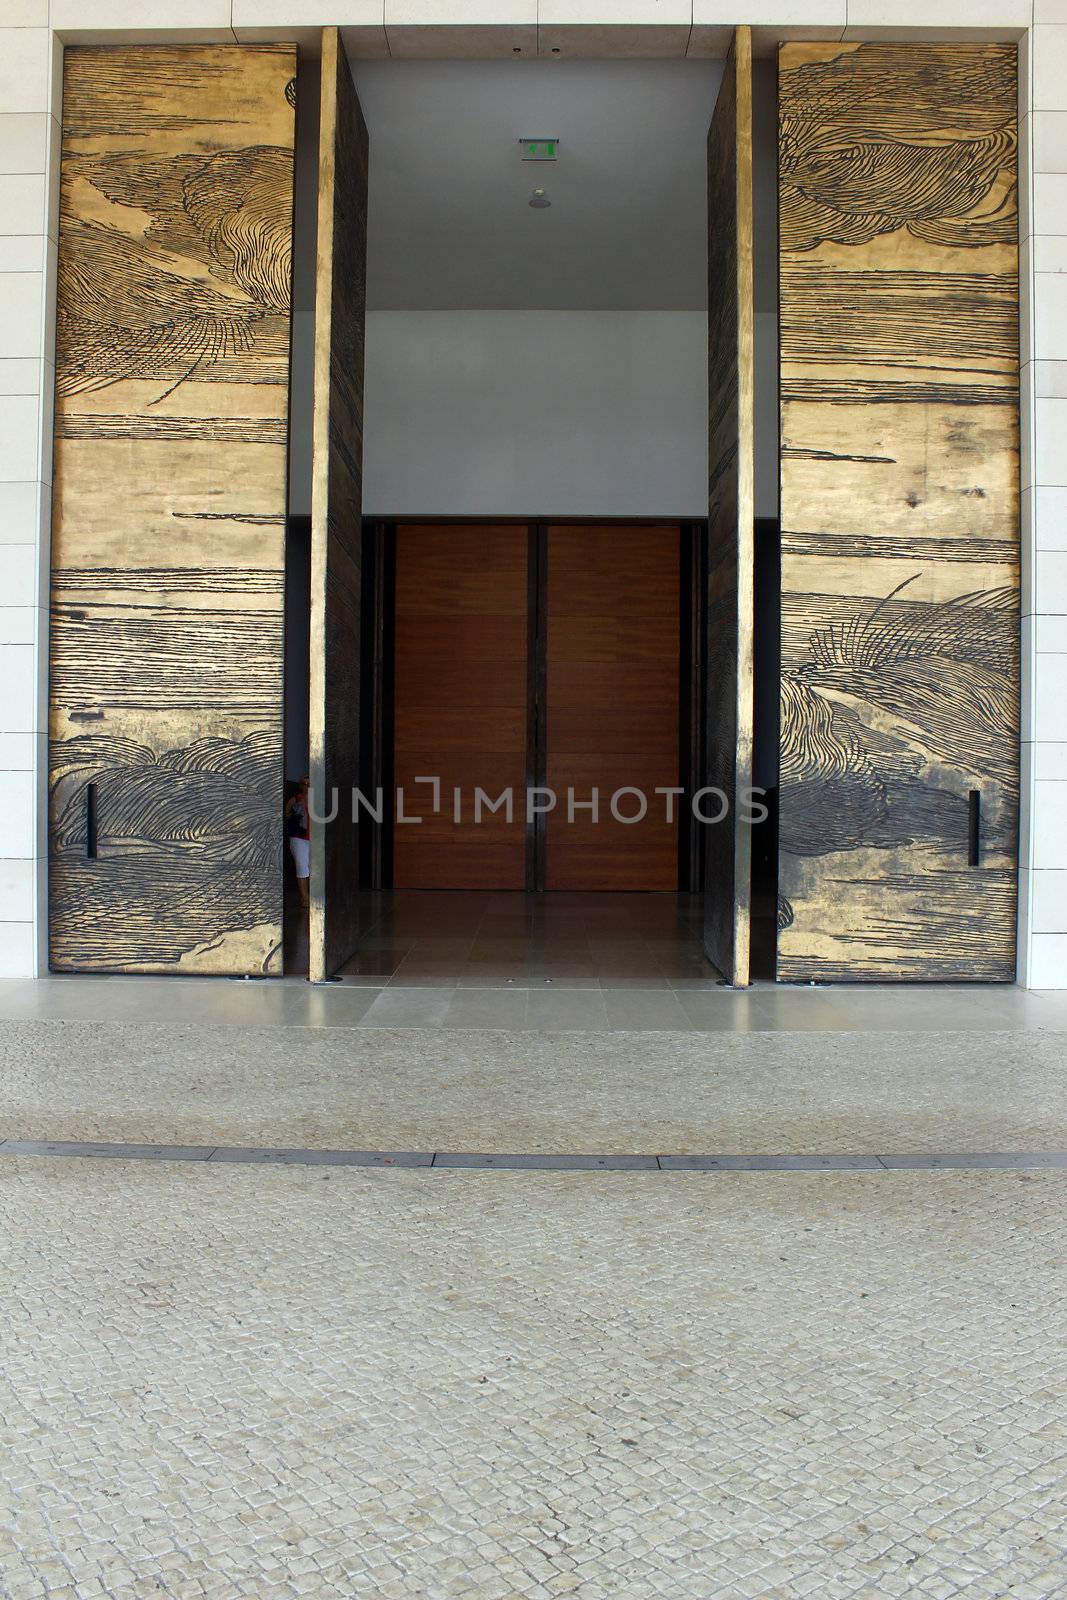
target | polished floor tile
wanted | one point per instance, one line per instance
(409, 1008)
(582, 1009)
(426, 971)
(658, 1009)
(487, 1008)
(627, 961)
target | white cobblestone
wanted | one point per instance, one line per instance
(282, 1382)
(409, 1089)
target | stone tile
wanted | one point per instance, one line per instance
(1050, 141)
(283, 15)
(815, 1010)
(24, 142)
(1048, 961)
(1050, 417)
(20, 374)
(613, 28)
(1049, 204)
(18, 949)
(882, 19)
(1050, 632)
(614, 13)
(1050, 518)
(18, 512)
(104, 1151)
(1050, 761)
(417, 970)
(25, 70)
(486, 1008)
(827, 18)
(771, 1163)
(527, 975)
(1050, 379)
(1006, 1161)
(18, 624)
(1049, 51)
(18, 575)
(572, 1009)
(25, 14)
(620, 978)
(19, 435)
(545, 1163)
(17, 797)
(18, 888)
(74, 18)
(22, 195)
(409, 1008)
(330, 1006)
(472, 14)
(645, 1008)
(716, 1011)
(372, 963)
(244, 1155)
(17, 672)
(1050, 713)
(459, 41)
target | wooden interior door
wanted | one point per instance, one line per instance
(169, 499)
(613, 602)
(460, 704)
(731, 518)
(336, 514)
(900, 511)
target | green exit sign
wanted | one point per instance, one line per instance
(539, 149)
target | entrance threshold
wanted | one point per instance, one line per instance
(564, 940)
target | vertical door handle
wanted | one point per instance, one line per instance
(974, 826)
(90, 821)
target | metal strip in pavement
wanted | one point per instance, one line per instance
(558, 1161)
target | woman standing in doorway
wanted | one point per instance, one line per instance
(298, 832)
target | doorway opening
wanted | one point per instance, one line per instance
(533, 557)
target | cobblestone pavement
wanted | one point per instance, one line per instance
(412, 1089)
(282, 1382)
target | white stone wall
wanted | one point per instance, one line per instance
(1043, 859)
(29, 86)
(29, 106)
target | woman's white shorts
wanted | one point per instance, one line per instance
(301, 849)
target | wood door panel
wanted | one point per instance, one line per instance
(900, 508)
(462, 569)
(495, 733)
(448, 641)
(439, 853)
(430, 686)
(460, 702)
(612, 692)
(608, 855)
(169, 501)
(588, 640)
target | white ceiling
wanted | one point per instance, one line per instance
(450, 226)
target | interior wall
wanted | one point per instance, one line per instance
(474, 412)
(514, 413)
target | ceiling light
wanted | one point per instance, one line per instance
(539, 200)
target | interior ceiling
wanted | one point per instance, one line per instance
(450, 226)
